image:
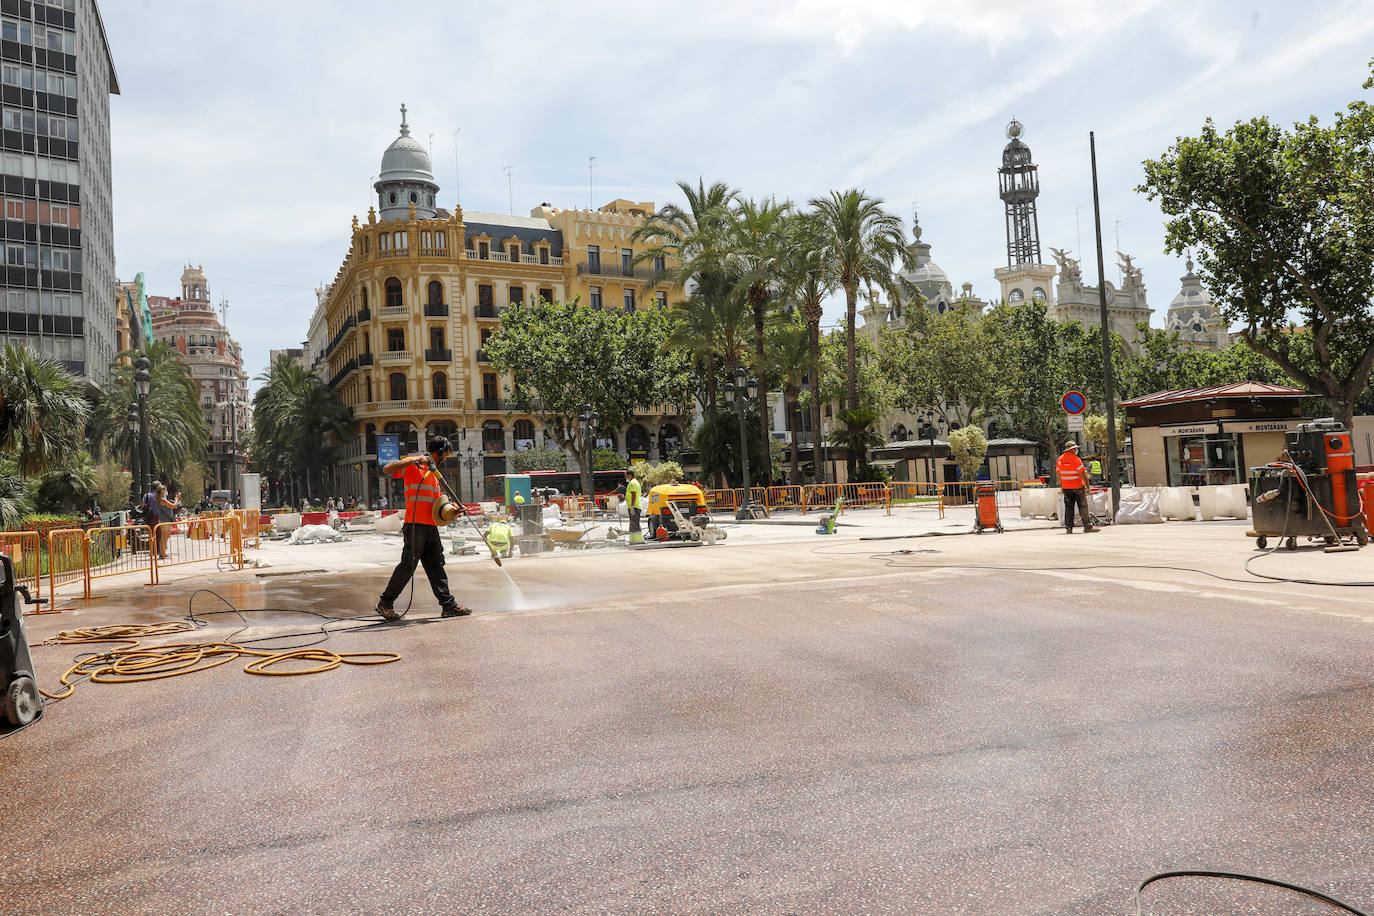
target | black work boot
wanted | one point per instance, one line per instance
(389, 612)
(455, 610)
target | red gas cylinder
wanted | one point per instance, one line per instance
(1340, 464)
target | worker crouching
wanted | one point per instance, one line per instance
(419, 534)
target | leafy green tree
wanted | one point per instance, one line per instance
(875, 387)
(1282, 223)
(538, 459)
(564, 355)
(1095, 429)
(945, 362)
(1161, 362)
(113, 482)
(651, 475)
(969, 447)
(862, 242)
(42, 409)
(176, 421)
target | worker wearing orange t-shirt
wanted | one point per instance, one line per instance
(1073, 483)
(419, 535)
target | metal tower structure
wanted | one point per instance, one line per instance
(1020, 185)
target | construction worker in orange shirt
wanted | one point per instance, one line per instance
(1073, 483)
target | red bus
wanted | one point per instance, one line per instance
(567, 483)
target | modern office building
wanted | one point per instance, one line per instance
(56, 78)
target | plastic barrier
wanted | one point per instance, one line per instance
(1226, 501)
(1040, 502)
(286, 521)
(25, 549)
(916, 496)
(194, 540)
(1177, 503)
(117, 550)
(67, 560)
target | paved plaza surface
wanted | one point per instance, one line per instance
(786, 723)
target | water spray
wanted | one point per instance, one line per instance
(461, 510)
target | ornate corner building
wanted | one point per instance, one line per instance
(191, 326)
(398, 333)
(56, 79)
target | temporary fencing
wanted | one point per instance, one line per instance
(783, 497)
(117, 550)
(856, 496)
(917, 496)
(197, 539)
(68, 559)
(24, 548)
(961, 493)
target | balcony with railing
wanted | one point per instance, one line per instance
(482, 356)
(364, 315)
(394, 253)
(435, 253)
(493, 404)
(535, 260)
(604, 269)
(394, 311)
(392, 357)
(436, 310)
(489, 310)
(364, 359)
(438, 355)
(493, 255)
(441, 404)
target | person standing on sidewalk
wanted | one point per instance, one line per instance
(634, 502)
(1073, 483)
(419, 535)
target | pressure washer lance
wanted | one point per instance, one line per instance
(461, 510)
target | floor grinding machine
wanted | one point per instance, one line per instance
(985, 518)
(1311, 492)
(22, 700)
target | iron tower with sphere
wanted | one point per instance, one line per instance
(1024, 278)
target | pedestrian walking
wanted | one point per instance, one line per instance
(419, 535)
(1073, 483)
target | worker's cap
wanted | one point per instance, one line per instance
(1071, 445)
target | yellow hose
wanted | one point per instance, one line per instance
(134, 662)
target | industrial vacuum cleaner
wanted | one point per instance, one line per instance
(1312, 491)
(23, 703)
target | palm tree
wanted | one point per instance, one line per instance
(177, 430)
(757, 245)
(856, 434)
(712, 329)
(42, 409)
(808, 278)
(862, 241)
(298, 423)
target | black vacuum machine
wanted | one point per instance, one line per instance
(1314, 493)
(22, 703)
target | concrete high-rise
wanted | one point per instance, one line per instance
(56, 79)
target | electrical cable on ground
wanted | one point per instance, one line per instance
(1237, 876)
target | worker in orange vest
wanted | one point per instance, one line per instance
(1073, 483)
(419, 534)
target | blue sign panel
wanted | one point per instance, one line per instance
(1074, 402)
(388, 449)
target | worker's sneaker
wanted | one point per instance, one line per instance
(389, 612)
(455, 610)
(1090, 529)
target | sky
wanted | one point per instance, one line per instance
(248, 134)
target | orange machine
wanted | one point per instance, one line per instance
(1340, 464)
(985, 493)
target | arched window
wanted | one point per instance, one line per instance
(1039, 293)
(398, 386)
(493, 437)
(1016, 296)
(436, 292)
(446, 428)
(364, 297)
(393, 293)
(669, 439)
(367, 244)
(369, 387)
(637, 441)
(440, 238)
(439, 383)
(524, 434)
(940, 307)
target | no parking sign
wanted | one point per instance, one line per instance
(1074, 402)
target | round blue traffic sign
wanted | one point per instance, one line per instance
(1074, 402)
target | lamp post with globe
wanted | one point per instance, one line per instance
(143, 384)
(136, 474)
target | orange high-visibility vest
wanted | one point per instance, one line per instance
(422, 494)
(1070, 468)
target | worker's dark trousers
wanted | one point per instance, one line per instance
(422, 545)
(1076, 496)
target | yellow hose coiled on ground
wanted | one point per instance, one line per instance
(135, 662)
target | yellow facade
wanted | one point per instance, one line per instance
(413, 301)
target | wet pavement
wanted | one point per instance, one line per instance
(765, 729)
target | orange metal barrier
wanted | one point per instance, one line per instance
(788, 497)
(960, 493)
(722, 499)
(250, 526)
(197, 539)
(68, 560)
(24, 548)
(916, 495)
(119, 549)
(856, 496)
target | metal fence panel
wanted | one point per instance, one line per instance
(120, 549)
(25, 550)
(67, 560)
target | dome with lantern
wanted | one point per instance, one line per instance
(406, 178)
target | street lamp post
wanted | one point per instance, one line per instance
(143, 384)
(131, 423)
(929, 432)
(740, 394)
(471, 462)
(590, 420)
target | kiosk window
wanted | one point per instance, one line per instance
(1202, 461)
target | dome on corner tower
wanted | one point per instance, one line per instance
(406, 177)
